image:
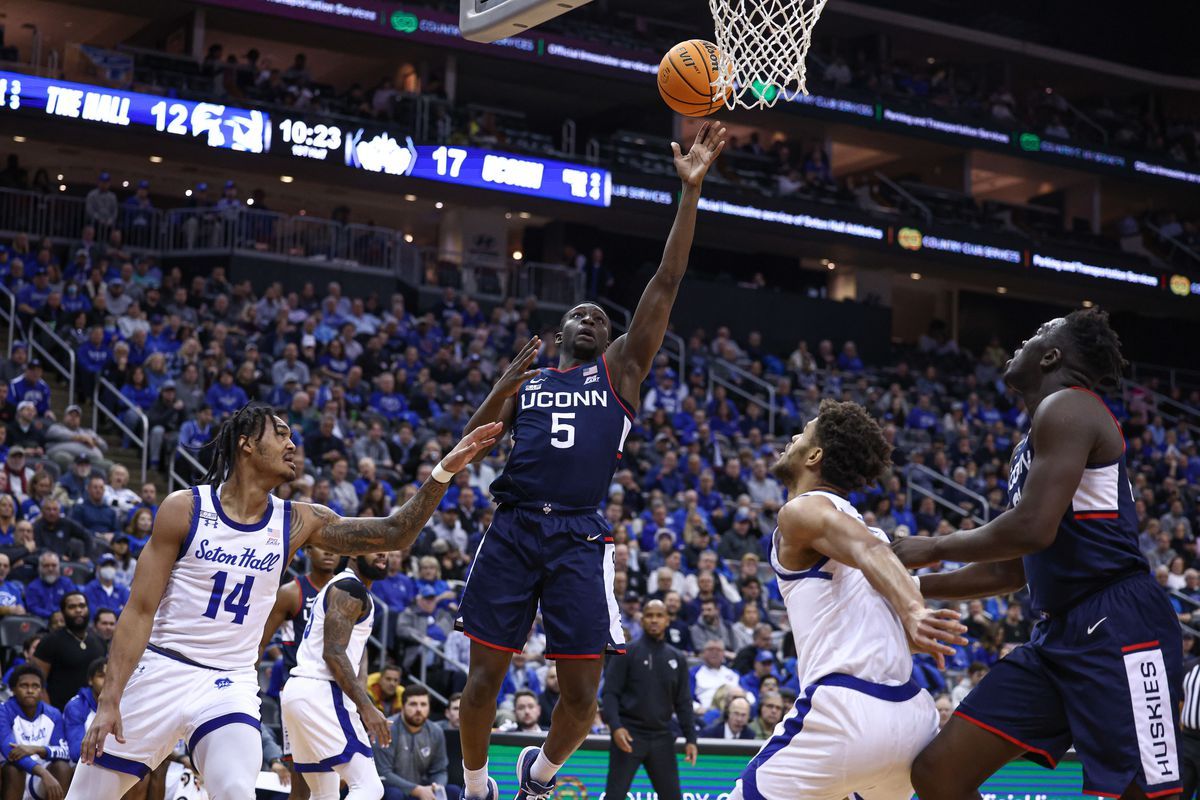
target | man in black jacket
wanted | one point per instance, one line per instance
(642, 690)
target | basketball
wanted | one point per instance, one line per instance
(685, 79)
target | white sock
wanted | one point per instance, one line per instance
(476, 780)
(544, 769)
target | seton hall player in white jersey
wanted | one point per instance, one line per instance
(326, 709)
(856, 616)
(548, 544)
(182, 662)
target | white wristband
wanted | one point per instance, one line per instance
(441, 474)
(917, 578)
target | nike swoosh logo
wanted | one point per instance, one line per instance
(594, 538)
(1097, 625)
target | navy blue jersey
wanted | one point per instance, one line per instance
(308, 594)
(1097, 539)
(569, 430)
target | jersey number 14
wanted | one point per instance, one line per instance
(237, 602)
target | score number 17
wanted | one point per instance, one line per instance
(449, 160)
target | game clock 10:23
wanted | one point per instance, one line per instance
(310, 141)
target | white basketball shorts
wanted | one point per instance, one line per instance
(322, 725)
(167, 700)
(844, 737)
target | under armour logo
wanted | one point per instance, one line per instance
(211, 523)
(546, 508)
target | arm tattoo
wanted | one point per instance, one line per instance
(340, 616)
(362, 535)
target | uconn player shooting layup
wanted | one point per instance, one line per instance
(182, 663)
(548, 543)
(855, 614)
(1103, 668)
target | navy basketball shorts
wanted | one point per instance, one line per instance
(1105, 676)
(560, 561)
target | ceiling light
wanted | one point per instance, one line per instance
(60, 177)
(916, 276)
(187, 193)
(156, 159)
(408, 237)
(508, 215)
(19, 139)
(62, 187)
(1088, 304)
(518, 255)
(412, 198)
(1001, 290)
(124, 184)
(286, 179)
(438, 204)
(830, 265)
(524, 215)
(249, 201)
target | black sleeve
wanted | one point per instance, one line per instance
(358, 590)
(615, 675)
(46, 650)
(683, 700)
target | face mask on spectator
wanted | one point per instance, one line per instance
(108, 573)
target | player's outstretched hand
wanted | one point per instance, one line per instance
(480, 439)
(106, 721)
(710, 141)
(934, 631)
(377, 726)
(519, 369)
(915, 552)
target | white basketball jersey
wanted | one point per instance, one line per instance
(840, 623)
(223, 585)
(310, 657)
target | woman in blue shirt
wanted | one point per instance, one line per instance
(334, 363)
(138, 392)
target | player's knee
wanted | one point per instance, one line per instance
(366, 786)
(225, 786)
(928, 784)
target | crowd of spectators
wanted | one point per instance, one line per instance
(376, 391)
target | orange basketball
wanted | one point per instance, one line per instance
(685, 79)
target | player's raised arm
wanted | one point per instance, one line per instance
(499, 405)
(171, 526)
(344, 608)
(1063, 434)
(631, 355)
(814, 522)
(315, 524)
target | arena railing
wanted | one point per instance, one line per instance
(733, 380)
(936, 478)
(8, 311)
(40, 330)
(174, 477)
(1194, 606)
(554, 285)
(673, 345)
(1176, 378)
(105, 389)
(1171, 410)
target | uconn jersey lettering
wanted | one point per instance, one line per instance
(1097, 536)
(223, 585)
(569, 430)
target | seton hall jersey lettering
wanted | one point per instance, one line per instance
(310, 656)
(223, 585)
(568, 434)
(840, 623)
(1097, 539)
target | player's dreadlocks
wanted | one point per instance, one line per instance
(1097, 346)
(855, 451)
(250, 421)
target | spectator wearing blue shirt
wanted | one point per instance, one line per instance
(30, 386)
(33, 738)
(103, 591)
(80, 709)
(32, 297)
(922, 416)
(92, 513)
(520, 676)
(225, 397)
(385, 402)
(44, 594)
(397, 590)
(91, 357)
(12, 593)
(764, 665)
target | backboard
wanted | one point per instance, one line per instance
(489, 20)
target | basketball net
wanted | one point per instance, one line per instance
(763, 44)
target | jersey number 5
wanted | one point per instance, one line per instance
(559, 425)
(238, 601)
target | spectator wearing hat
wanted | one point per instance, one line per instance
(456, 418)
(103, 591)
(74, 482)
(139, 214)
(33, 297)
(101, 204)
(764, 665)
(14, 366)
(31, 387)
(225, 397)
(53, 531)
(67, 440)
(16, 475)
(166, 417)
(44, 593)
(667, 394)
(116, 299)
(422, 623)
(91, 357)
(742, 538)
